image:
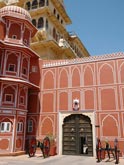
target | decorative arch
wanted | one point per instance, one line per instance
(108, 99)
(11, 90)
(121, 73)
(12, 59)
(88, 75)
(16, 33)
(63, 78)
(75, 77)
(106, 74)
(48, 102)
(63, 100)
(47, 126)
(113, 129)
(48, 81)
(89, 99)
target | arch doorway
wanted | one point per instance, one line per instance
(77, 135)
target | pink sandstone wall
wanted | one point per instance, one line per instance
(98, 84)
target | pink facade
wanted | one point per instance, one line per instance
(98, 84)
(36, 96)
(15, 57)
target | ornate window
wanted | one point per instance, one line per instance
(41, 3)
(22, 100)
(20, 127)
(5, 127)
(9, 98)
(30, 125)
(54, 33)
(11, 67)
(54, 11)
(34, 4)
(47, 25)
(24, 70)
(34, 22)
(40, 22)
(28, 5)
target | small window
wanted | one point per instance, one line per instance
(61, 21)
(14, 36)
(54, 11)
(11, 68)
(47, 24)
(58, 16)
(25, 41)
(24, 71)
(9, 98)
(5, 127)
(20, 127)
(30, 125)
(22, 100)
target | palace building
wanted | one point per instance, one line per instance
(50, 85)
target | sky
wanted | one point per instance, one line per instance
(98, 23)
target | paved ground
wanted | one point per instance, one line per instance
(55, 160)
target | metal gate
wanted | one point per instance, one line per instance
(77, 135)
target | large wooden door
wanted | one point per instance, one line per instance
(77, 135)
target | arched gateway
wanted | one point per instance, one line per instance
(77, 135)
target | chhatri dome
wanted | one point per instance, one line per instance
(15, 11)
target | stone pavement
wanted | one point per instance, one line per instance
(55, 160)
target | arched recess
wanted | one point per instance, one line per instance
(9, 94)
(22, 96)
(12, 59)
(48, 81)
(106, 74)
(88, 76)
(34, 125)
(75, 77)
(121, 73)
(108, 99)
(48, 102)
(26, 36)
(16, 32)
(47, 126)
(113, 129)
(63, 79)
(63, 101)
(89, 99)
(25, 66)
